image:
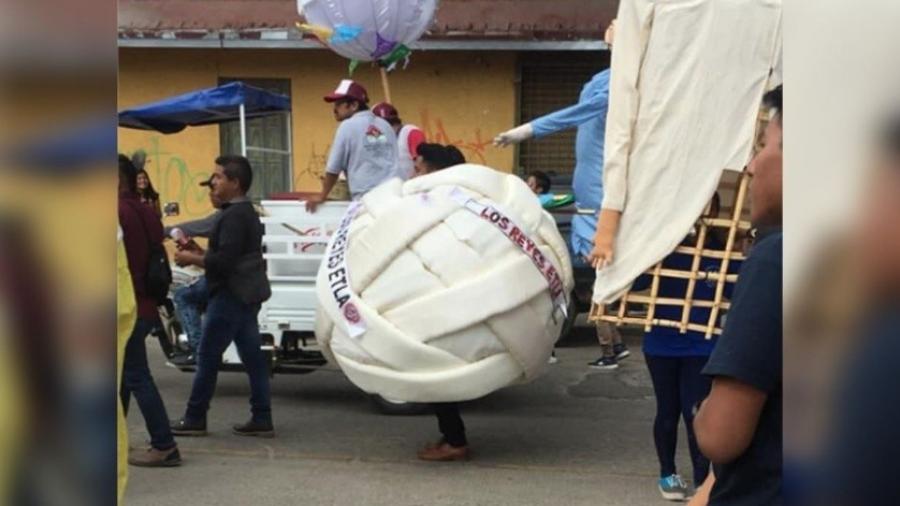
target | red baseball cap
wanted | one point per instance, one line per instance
(348, 89)
(386, 111)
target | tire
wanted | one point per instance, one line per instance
(572, 314)
(399, 408)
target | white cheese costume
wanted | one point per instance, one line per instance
(687, 81)
(444, 288)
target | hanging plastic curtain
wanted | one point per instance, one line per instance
(368, 30)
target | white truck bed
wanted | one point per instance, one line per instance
(295, 242)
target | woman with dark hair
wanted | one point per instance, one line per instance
(141, 234)
(147, 193)
(435, 157)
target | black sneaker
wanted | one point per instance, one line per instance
(182, 427)
(604, 363)
(188, 360)
(254, 429)
(621, 351)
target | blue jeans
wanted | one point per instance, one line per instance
(137, 380)
(188, 301)
(228, 319)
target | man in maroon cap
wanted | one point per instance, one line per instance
(364, 147)
(408, 139)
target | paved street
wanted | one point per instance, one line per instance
(573, 437)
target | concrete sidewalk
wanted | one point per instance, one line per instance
(575, 436)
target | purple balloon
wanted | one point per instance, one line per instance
(386, 24)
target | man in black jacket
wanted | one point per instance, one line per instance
(235, 274)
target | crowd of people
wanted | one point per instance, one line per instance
(726, 390)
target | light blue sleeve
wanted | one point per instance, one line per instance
(593, 104)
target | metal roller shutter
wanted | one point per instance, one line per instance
(551, 81)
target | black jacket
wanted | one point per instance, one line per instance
(234, 260)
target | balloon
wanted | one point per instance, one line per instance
(368, 30)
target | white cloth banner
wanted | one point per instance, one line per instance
(520, 238)
(339, 275)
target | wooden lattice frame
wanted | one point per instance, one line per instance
(631, 305)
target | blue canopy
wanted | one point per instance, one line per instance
(204, 107)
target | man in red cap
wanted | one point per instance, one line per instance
(364, 147)
(408, 139)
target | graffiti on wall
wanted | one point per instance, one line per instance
(315, 165)
(473, 145)
(174, 180)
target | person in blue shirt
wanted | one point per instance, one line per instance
(589, 117)
(676, 361)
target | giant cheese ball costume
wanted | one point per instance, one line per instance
(444, 288)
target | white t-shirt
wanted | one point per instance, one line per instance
(365, 148)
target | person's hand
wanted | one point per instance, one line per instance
(607, 228)
(610, 33)
(701, 495)
(602, 254)
(183, 258)
(192, 246)
(514, 136)
(312, 203)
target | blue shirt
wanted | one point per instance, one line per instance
(589, 115)
(749, 351)
(668, 341)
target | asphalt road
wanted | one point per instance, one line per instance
(574, 436)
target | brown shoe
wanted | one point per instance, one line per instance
(151, 457)
(432, 446)
(444, 453)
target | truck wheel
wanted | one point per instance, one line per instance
(399, 408)
(569, 324)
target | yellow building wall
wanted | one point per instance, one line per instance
(460, 98)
